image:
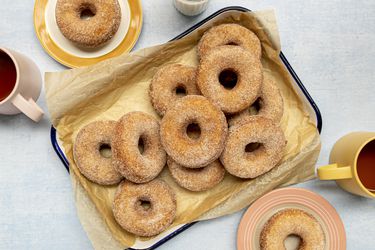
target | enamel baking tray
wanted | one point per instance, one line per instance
(309, 104)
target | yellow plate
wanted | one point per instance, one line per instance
(69, 55)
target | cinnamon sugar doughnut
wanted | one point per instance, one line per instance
(230, 34)
(88, 144)
(171, 83)
(269, 104)
(144, 209)
(187, 151)
(88, 32)
(231, 77)
(134, 130)
(197, 179)
(292, 222)
(253, 147)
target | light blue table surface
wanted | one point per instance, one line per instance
(330, 44)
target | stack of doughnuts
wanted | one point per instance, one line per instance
(143, 205)
(235, 107)
(222, 116)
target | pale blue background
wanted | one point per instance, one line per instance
(330, 45)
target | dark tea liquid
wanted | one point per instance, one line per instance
(8, 75)
(366, 165)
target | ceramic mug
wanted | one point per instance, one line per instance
(23, 89)
(352, 164)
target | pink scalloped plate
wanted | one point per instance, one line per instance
(260, 211)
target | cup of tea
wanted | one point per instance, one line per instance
(352, 164)
(20, 85)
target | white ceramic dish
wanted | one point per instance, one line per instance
(191, 7)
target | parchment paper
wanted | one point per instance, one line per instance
(114, 87)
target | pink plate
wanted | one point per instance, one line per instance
(258, 214)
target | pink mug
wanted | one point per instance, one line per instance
(20, 85)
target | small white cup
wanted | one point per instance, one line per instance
(26, 89)
(191, 7)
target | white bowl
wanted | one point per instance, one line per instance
(191, 7)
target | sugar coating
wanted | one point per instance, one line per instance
(246, 66)
(86, 152)
(128, 160)
(165, 82)
(226, 34)
(188, 152)
(197, 179)
(255, 129)
(271, 103)
(94, 31)
(292, 222)
(131, 216)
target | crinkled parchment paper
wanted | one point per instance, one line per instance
(114, 87)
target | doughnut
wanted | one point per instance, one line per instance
(253, 147)
(88, 153)
(171, 83)
(269, 103)
(132, 132)
(230, 34)
(197, 179)
(207, 144)
(292, 222)
(91, 32)
(144, 209)
(230, 77)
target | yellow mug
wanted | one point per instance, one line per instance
(350, 160)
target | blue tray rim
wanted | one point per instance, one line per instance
(64, 160)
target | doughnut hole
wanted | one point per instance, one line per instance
(193, 131)
(228, 78)
(253, 146)
(143, 204)
(180, 91)
(292, 242)
(87, 11)
(232, 43)
(141, 145)
(105, 150)
(256, 106)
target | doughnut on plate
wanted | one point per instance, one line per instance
(253, 221)
(70, 55)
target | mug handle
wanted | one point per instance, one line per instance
(334, 172)
(28, 107)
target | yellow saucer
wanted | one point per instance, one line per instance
(67, 53)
